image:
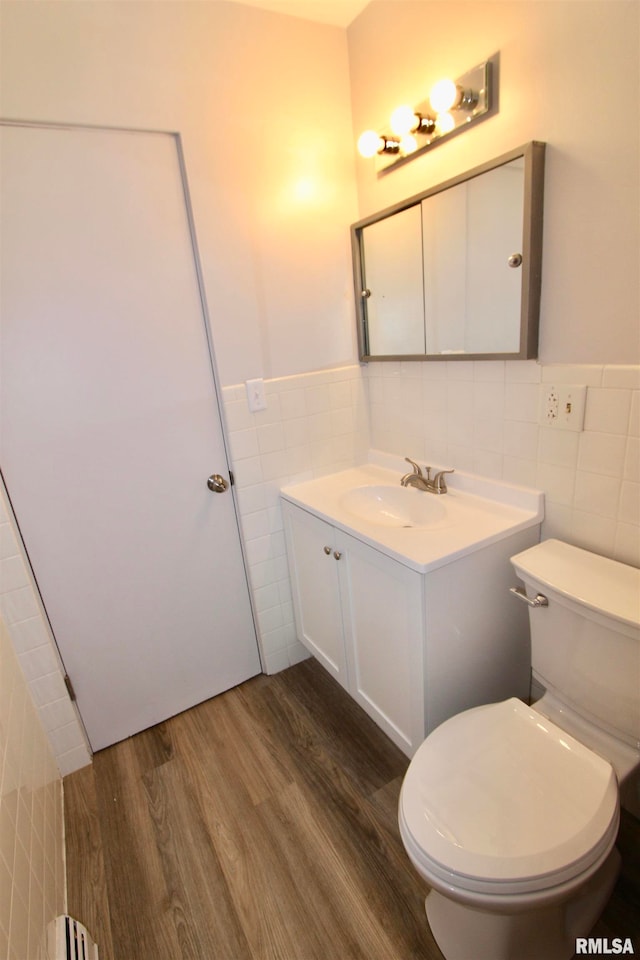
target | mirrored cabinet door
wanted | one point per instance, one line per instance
(455, 271)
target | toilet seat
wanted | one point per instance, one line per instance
(499, 800)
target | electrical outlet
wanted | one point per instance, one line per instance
(256, 395)
(563, 406)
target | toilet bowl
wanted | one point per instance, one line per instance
(508, 815)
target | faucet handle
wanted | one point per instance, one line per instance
(416, 468)
(438, 481)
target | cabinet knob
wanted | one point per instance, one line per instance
(327, 550)
(337, 554)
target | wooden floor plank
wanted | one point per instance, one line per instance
(87, 897)
(140, 906)
(195, 883)
(261, 825)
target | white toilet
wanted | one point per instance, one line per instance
(510, 812)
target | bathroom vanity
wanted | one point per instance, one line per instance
(403, 596)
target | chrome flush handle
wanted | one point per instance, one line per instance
(538, 601)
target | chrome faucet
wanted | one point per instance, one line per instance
(417, 479)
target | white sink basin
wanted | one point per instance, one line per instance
(396, 506)
(418, 528)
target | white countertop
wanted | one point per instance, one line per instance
(477, 512)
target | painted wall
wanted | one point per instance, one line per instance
(564, 69)
(261, 101)
(32, 880)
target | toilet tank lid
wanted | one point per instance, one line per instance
(606, 586)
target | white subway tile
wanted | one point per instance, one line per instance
(270, 438)
(275, 660)
(48, 688)
(459, 369)
(255, 525)
(522, 402)
(248, 472)
(622, 376)
(488, 464)
(318, 398)
(262, 572)
(18, 605)
(29, 634)
(595, 533)
(293, 404)
(297, 653)
(488, 438)
(340, 394)
(319, 425)
(627, 544)
(244, 444)
(8, 545)
(13, 574)
(631, 469)
(558, 447)
(557, 482)
(238, 415)
(488, 400)
(588, 374)
(251, 498)
(489, 370)
(629, 507)
(634, 416)
(266, 597)
(28, 897)
(523, 371)
(69, 762)
(558, 520)
(521, 439)
(519, 471)
(38, 662)
(607, 411)
(271, 414)
(602, 453)
(597, 494)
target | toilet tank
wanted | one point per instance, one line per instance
(585, 645)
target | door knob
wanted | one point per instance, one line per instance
(217, 483)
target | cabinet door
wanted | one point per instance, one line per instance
(384, 640)
(311, 545)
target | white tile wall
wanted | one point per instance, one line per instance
(484, 417)
(32, 875)
(314, 424)
(29, 630)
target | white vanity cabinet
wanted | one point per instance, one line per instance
(360, 613)
(410, 609)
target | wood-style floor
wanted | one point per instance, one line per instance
(260, 825)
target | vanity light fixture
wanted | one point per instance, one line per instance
(453, 105)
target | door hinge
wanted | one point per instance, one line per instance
(69, 686)
(231, 477)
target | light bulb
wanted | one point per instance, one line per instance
(408, 144)
(369, 143)
(444, 123)
(403, 120)
(443, 96)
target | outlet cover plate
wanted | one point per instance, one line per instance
(255, 395)
(563, 406)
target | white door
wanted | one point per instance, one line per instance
(110, 426)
